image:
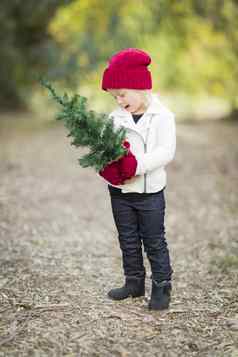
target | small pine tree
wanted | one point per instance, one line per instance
(89, 129)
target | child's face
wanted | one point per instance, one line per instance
(131, 100)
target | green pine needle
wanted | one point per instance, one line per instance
(88, 129)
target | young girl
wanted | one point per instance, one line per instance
(137, 181)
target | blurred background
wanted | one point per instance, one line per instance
(58, 242)
(193, 45)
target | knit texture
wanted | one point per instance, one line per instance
(128, 69)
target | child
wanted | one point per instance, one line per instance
(137, 181)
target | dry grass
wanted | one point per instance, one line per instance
(59, 253)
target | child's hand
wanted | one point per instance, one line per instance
(128, 163)
(121, 169)
(112, 174)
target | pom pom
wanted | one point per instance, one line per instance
(126, 144)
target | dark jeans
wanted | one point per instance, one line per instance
(140, 219)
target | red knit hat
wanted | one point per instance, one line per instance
(128, 69)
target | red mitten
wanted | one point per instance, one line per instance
(127, 163)
(112, 174)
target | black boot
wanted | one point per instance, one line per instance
(133, 287)
(160, 295)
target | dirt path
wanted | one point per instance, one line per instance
(59, 252)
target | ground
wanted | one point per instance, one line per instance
(59, 252)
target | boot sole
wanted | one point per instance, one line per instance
(125, 297)
(158, 308)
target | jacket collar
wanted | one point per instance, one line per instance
(154, 107)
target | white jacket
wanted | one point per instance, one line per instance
(153, 142)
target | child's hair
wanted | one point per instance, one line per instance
(145, 94)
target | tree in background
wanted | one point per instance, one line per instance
(199, 40)
(93, 30)
(194, 44)
(26, 46)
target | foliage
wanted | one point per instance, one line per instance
(89, 129)
(92, 30)
(194, 44)
(203, 38)
(26, 46)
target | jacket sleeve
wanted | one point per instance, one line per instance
(165, 151)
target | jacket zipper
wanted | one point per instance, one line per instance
(145, 150)
(145, 147)
(145, 175)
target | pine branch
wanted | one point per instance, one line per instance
(88, 129)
